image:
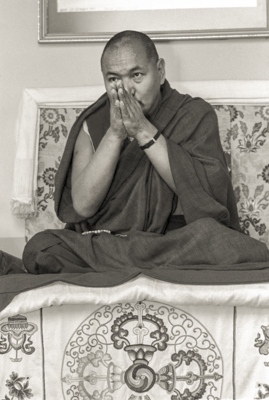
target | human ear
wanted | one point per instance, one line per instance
(161, 70)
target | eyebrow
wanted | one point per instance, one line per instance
(131, 70)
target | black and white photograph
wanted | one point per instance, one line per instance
(134, 243)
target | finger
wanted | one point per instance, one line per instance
(125, 98)
(115, 105)
(114, 86)
(110, 89)
(122, 99)
(124, 110)
(114, 95)
(117, 110)
(121, 95)
(122, 91)
(133, 104)
(129, 98)
(119, 84)
(120, 88)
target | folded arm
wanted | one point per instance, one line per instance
(92, 172)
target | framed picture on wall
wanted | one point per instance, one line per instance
(98, 20)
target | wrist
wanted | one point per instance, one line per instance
(113, 139)
(145, 136)
(151, 142)
(115, 136)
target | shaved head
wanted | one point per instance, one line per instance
(131, 58)
(131, 38)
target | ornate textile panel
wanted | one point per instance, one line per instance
(252, 353)
(22, 357)
(145, 350)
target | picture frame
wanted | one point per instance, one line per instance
(83, 25)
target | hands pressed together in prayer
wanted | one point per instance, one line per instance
(126, 115)
(128, 120)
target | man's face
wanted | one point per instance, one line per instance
(141, 76)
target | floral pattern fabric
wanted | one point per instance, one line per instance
(244, 133)
(246, 145)
(55, 125)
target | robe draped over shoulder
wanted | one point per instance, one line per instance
(138, 198)
(209, 249)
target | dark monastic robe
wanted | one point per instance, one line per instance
(197, 163)
(208, 250)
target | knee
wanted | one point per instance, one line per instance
(206, 225)
(33, 247)
(30, 252)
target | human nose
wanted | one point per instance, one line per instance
(128, 86)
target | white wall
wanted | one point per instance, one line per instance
(25, 63)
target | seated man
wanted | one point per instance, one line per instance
(143, 182)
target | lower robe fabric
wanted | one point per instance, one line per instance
(139, 205)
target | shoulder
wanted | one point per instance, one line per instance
(201, 105)
(194, 119)
(93, 122)
(196, 105)
(83, 140)
(195, 109)
(190, 108)
(201, 110)
(97, 105)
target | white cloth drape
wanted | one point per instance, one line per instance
(142, 287)
(23, 201)
(24, 196)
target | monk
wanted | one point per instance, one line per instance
(143, 184)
